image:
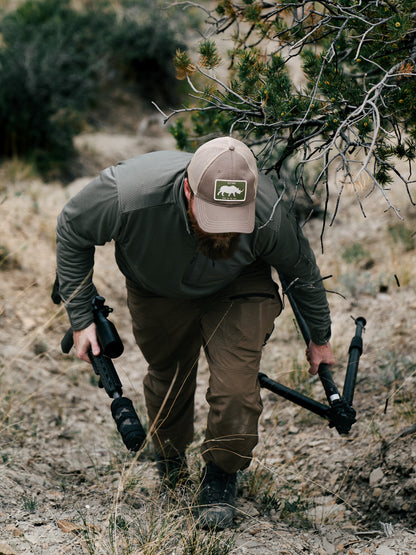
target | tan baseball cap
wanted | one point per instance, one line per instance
(223, 177)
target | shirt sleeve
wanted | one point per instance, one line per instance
(90, 218)
(287, 249)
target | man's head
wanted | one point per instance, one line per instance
(222, 175)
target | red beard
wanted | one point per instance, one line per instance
(216, 246)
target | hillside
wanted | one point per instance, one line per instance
(68, 484)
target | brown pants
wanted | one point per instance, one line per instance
(232, 326)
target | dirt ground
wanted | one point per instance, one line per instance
(69, 486)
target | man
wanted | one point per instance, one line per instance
(196, 237)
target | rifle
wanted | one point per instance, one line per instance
(340, 412)
(111, 346)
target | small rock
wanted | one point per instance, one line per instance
(17, 532)
(384, 550)
(289, 455)
(252, 512)
(5, 549)
(376, 476)
(67, 526)
(329, 547)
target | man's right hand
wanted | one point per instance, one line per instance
(84, 340)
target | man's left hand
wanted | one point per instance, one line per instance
(316, 354)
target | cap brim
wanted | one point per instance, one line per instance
(225, 219)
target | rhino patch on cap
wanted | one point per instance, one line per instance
(233, 190)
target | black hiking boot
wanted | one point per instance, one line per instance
(172, 470)
(217, 498)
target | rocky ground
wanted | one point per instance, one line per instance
(69, 486)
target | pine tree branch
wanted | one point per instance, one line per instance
(364, 55)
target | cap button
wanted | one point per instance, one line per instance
(231, 147)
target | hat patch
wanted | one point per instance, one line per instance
(226, 189)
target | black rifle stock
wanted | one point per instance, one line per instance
(111, 346)
(340, 412)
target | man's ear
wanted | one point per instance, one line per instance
(187, 189)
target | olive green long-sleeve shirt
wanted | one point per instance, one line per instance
(140, 205)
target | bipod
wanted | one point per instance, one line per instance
(339, 411)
